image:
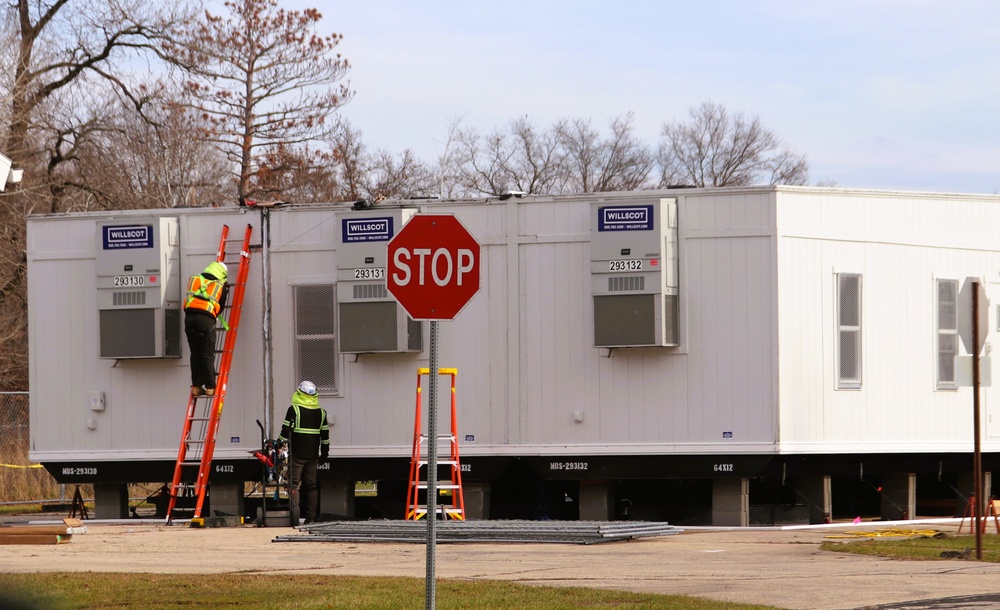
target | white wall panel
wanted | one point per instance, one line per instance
(900, 244)
(755, 371)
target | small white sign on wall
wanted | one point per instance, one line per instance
(963, 371)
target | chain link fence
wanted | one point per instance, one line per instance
(20, 480)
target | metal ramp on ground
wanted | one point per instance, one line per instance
(506, 531)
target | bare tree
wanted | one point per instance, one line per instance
(157, 163)
(402, 176)
(620, 163)
(448, 162)
(349, 152)
(518, 158)
(65, 48)
(481, 162)
(61, 58)
(536, 158)
(263, 77)
(361, 174)
(715, 148)
(570, 156)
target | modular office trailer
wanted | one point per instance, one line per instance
(694, 355)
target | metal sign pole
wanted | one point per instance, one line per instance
(265, 221)
(977, 460)
(432, 469)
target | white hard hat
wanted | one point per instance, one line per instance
(308, 387)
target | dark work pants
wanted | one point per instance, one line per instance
(304, 482)
(200, 331)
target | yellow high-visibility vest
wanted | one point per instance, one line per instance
(204, 294)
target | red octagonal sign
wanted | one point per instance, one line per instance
(433, 267)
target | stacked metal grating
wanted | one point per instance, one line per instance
(569, 532)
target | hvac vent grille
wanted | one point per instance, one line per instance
(370, 291)
(124, 299)
(628, 283)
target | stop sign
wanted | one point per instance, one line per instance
(433, 267)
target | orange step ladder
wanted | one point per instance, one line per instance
(450, 484)
(201, 422)
(989, 510)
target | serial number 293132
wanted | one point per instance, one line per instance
(568, 466)
(625, 265)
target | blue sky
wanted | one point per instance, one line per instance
(878, 94)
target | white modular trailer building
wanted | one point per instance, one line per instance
(694, 355)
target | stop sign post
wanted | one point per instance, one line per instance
(433, 271)
(433, 267)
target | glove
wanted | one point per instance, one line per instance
(324, 451)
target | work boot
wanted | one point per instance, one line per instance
(210, 391)
(197, 391)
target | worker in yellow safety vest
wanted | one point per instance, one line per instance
(306, 428)
(206, 292)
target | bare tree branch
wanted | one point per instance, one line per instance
(716, 149)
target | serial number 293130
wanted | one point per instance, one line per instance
(79, 470)
(129, 280)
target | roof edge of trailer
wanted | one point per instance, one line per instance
(431, 202)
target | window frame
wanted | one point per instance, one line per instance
(942, 333)
(856, 381)
(326, 384)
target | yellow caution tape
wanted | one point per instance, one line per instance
(887, 533)
(19, 466)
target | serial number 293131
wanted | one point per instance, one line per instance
(372, 273)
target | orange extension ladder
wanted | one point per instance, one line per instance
(451, 484)
(201, 422)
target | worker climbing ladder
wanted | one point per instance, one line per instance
(451, 483)
(204, 412)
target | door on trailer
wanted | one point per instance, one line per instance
(991, 394)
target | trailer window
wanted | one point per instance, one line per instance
(947, 333)
(315, 342)
(849, 330)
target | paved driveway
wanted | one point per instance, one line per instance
(783, 568)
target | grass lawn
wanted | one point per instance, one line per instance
(940, 546)
(59, 591)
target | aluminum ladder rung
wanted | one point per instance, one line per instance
(423, 485)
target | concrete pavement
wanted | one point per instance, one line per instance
(778, 567)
